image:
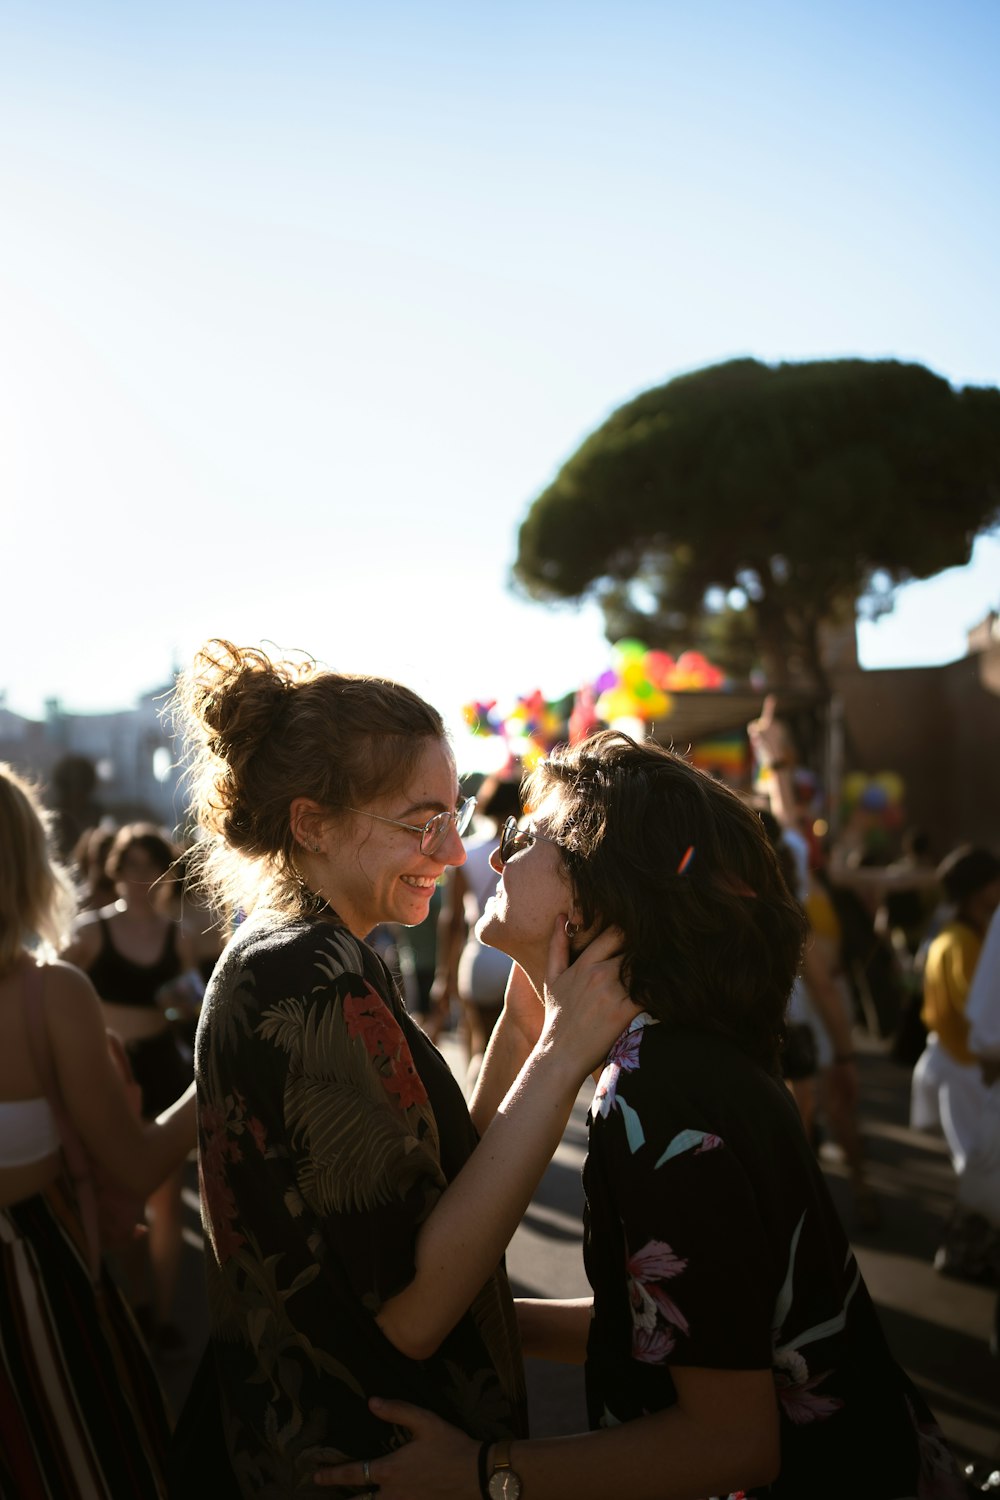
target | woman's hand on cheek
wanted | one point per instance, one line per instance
(587, 1006)
(439, 1463)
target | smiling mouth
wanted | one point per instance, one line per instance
(419, 882)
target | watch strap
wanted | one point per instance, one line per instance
(484, 1468)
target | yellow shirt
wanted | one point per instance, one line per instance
(951, 963)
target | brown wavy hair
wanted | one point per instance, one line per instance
(713, 937)
(261, 732)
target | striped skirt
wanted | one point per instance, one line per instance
(81, 1412)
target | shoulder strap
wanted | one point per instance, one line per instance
(76, 1156)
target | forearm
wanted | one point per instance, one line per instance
(169, 1138)
(554, 1329)
(506, 1054)
(465, 1236)
(666, 1456)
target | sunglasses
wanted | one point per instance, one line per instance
(434, 832)
(513, 839)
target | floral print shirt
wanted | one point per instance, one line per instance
(711, 1241)
(329, 1127)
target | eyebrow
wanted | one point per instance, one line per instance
(432, 807)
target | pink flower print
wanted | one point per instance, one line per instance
(217, 1196)
(795, 1389)
(708, 1144)
(623, 1057)
(655, 1262)
(656, 1318)
(651, 1347)
(939, 1478)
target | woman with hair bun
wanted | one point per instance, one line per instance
(81, 1414)
(356, 1213)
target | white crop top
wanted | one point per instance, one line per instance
(28, 1131)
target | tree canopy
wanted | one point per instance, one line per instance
(752, 504)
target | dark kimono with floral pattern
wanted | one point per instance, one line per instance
(329, 1127)
(711, 1240)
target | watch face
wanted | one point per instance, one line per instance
(504, 1485)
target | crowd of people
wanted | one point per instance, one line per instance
(614, 913)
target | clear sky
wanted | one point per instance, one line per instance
(302, 304)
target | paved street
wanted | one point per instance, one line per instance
(936, 1326)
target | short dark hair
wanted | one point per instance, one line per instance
(713, 936)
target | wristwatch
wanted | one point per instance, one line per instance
(503, 1483)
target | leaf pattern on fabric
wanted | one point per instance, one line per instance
(355, 1158)
(493, 1314)
(312, 1199)
(795, 1386)
(364, 1141)
(689, 1140)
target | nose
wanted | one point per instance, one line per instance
(452, 851)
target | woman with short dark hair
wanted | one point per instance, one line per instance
(731, 1347)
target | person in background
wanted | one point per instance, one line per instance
(142, 964)
(90, 860)
(824, 998)
(356, 1211)
(947, 1090)
(81, 1413)
(983, 1015)
(731, 1346)
(467, 969)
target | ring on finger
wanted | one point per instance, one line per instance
(366, 1470)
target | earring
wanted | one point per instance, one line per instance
(571, 929)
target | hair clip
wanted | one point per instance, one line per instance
(685, 863)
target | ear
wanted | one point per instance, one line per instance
(307, 820)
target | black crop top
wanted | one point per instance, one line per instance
(120, 981)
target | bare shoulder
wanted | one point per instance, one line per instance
(68, 991)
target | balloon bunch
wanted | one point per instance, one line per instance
(636, 686)
(639, 682)
(882, 797)
(531, 728)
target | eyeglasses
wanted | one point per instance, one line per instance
(513, 839)
(434, 832)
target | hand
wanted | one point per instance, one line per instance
(439, 1463)
(587, 1007)
(767, 735)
